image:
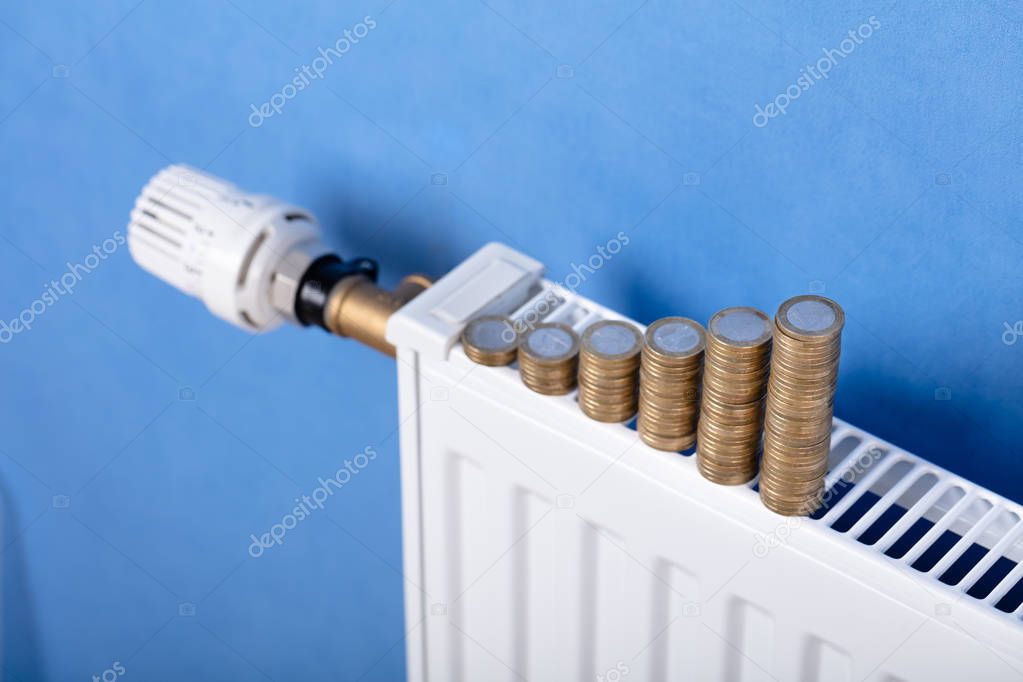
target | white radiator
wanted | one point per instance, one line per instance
(542, 545)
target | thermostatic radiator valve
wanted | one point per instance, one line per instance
(256, 261)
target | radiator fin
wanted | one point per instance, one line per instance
(675, 596)
(825, 662)
(750, 633)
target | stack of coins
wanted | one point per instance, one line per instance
(669, 387)
(800, 401)
(734, 384)
(490, 340)
(549, 358)
(608, 369)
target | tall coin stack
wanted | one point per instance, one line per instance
(800, 402)
(549, 358)
(608, 367)
(669, 387)
(734, 384)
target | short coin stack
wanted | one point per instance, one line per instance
(608, 368)
(800, 401)
(734, 384)
(669, 388)
(549, 358)
(490, 340)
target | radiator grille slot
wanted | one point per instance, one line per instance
(915, 524)
(1012, 602)
(865, 507)
(933, 552)
(893, 514)
(990, 580)
(961, 566)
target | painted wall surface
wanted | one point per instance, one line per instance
(750, 150)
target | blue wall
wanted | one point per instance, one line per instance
(144, 441)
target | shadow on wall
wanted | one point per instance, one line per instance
(648, 301)
(401, 245)
(20, 632)
(949, 433)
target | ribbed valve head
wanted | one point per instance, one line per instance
(222, 245)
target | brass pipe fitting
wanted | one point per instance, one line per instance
(359, 309)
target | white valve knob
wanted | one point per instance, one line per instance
(214, 241)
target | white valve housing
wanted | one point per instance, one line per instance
(214, 241)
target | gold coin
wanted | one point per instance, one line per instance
(490, 340)
(549, 358)
(669, 389)
(735, 376)
(799, 404)
(609, 370)
(810, 318)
